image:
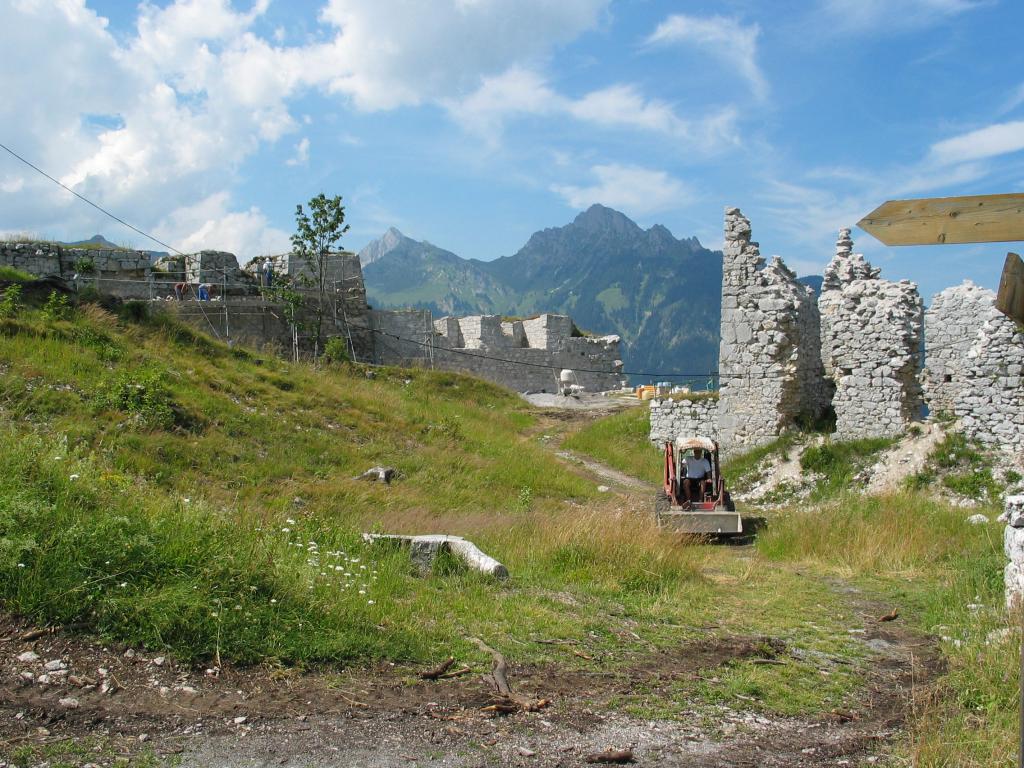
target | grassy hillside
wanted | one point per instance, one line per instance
(162, 489)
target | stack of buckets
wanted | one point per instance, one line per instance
(651, 391)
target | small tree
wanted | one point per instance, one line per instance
(317, 232)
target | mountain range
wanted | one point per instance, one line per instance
(659, 293)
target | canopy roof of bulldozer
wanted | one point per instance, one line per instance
(686, 443)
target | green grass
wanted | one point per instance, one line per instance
(14, 275)
(621, 441)
(172, 493)
(164, 490)
(964, 467)
(837, 462)
(945, 576)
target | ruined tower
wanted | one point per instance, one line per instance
(871, 342)
(770, 353)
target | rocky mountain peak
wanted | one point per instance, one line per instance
(600, 218)
(380, 247)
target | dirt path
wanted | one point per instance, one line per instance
(602, 472)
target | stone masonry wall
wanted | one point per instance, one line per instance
(121, 273)
(1013, 546)
(769, 357)
(951, 326)
(671, 419)
(990, 403)
(533, 352)
(871, 338)
(504, 352)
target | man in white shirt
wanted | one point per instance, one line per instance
(698, 469)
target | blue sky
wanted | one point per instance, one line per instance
(473, 123)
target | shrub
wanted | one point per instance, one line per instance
(88, 293)
(141, 393)
(57, 306)
(10, 304)
(85, 265)
(134, 311)
(336, 350)
(838, 462)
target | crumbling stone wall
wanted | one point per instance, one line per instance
(770, 356)
(871, 338)
(951, 326)
(524, 355)
(121, 273)
(1013, 546)
(990, 400)
(533, 352)
(696, 416)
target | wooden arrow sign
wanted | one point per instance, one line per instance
(931, 221)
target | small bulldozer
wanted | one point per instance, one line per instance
(708, 509)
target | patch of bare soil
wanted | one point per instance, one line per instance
(63, 688)
(908, 457)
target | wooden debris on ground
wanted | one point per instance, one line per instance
(611, 756)
(440, 669)
(506, 702)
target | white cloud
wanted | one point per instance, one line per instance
(634, 190)
(521, 92)
(723, 37)
(211, 224)
(389, 53)
(990, 141)
(193, 92)
(1014, 100)
(301, 156)
(881, 16)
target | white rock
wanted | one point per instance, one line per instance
(28, 657)
(978, 519)
(52, 666)
(69, 702)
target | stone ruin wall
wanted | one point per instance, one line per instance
(990, 402)
(120, 273)
(694, 416)
(532, 353)
(951, 325)
(1013, 546)
(872, 333)
(769, 357)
